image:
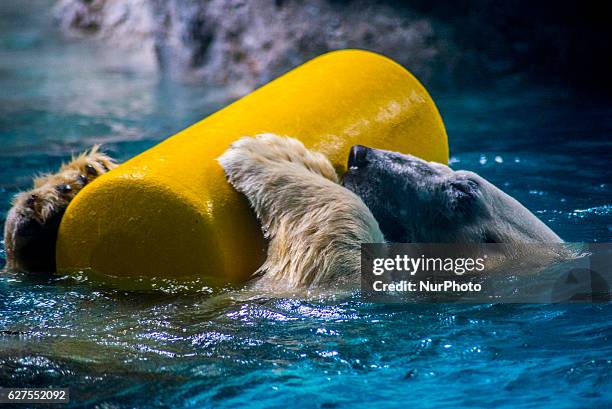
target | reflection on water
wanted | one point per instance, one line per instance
(549, 149)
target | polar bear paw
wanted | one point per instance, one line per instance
(247, 155)
(32, 222)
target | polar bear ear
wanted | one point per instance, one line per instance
(462, 196)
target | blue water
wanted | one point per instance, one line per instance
(547, 147)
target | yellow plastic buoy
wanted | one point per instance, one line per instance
(170, 213)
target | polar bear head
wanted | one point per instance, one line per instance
(418, 201)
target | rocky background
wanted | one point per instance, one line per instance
(245, 43)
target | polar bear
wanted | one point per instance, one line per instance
(315, 224)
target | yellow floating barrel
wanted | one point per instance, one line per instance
(170, 213)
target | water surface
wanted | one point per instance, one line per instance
(547, 147)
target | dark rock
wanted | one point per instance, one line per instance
(245, 43)
(127, 24)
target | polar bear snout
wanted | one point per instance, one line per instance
(358, 157)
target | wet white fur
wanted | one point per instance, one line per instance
(315, 226)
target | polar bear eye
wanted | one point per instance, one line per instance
(462, 194)
(465, 186)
